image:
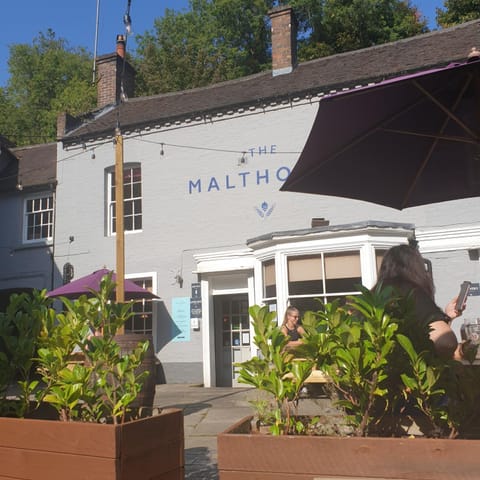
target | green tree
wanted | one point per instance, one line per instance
(220, 40)
(213, 41)
(458, 11)
(335, 26)
(46, 78)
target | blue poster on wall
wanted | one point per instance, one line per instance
(181, 319)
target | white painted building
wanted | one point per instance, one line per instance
(206, 225)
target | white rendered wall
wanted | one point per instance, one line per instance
(182, 219)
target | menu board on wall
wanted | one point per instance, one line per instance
(181, 319)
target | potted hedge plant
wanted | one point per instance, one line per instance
(405, 413)
(93, 429)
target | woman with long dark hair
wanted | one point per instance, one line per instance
(404, 269)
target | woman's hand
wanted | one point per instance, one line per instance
(450, 309)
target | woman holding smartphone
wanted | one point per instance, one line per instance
(403, 268)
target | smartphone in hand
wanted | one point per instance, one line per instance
(462, 296)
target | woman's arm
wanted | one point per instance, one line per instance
(444, 339)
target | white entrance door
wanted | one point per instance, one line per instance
(232, 337)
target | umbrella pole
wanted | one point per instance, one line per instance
(120, 229)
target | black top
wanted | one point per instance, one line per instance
(426, 310)
(293, 334)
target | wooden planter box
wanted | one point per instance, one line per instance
(150, 448)
(245, 455)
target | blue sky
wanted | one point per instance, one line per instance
(75, 20)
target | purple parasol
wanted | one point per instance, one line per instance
(403, 142)
(85, 285)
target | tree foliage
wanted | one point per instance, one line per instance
(334, 26)
(210, 42)
(458, 11)
(220, 40)
(213, 41)
(46, 78)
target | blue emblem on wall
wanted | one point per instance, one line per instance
(265, 210)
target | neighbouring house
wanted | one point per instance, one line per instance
(206, 227)
(27, 203)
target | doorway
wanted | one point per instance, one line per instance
(232, 336)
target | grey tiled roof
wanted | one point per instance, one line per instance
(37, 165)
(311, 78)
(289, 234)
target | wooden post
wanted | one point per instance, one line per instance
(120, 230)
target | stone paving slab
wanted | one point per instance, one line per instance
(210, 411)
(207, 412)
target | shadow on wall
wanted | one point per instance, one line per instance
(167, 330)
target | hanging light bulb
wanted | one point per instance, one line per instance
(162, 152)
(93, 154)
(243, 159)
(128, 23)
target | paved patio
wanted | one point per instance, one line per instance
(209, 411)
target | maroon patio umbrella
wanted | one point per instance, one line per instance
(408, 141)
(85, 285)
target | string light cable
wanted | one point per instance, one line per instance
(162, 145)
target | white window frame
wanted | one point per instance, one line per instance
(110, 203)
(153, 277)
(321, 254)
(364, 240)
(49, 211)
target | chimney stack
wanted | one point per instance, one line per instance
(284, 40)
(113, 71)
(120, 46)
(320, 222)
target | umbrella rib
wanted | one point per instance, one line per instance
(436, 137)
(449, 111)
(450, 115)
(380, 126)
(358, 139)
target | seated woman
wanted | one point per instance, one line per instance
(291, 328)
(404, 269)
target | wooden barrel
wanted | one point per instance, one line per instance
(127, 343)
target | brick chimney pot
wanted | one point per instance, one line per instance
(284, 40)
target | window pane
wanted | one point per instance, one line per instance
(269, 283)
(305, 275)
(304, 268)
(137, 190)
(128, 208)
(142, 320)
(137, 174)
(138, 206)
(38, 218)
(132, 189)
(342, 271)
(379, 254)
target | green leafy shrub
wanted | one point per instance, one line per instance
(20, 330)
(99, 388)
(274, 371)
(384, 372)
